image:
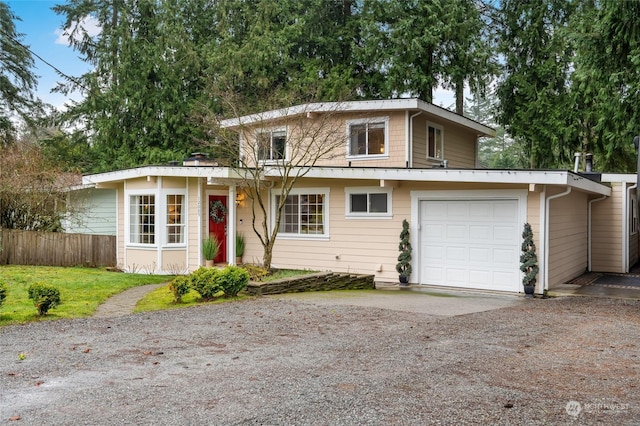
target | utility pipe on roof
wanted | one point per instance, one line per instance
(589, 239)
(546, 235)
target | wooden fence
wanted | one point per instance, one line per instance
(56, 249)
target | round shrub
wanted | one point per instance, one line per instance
(3, 291)
(44, 297)
(233, 280)
(206, 282)
(180, 286)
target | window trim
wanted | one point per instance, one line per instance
(272, 130)
(384, 120)
(348, 191)
(441, 128)
(302, 191)
(633, 215)
(127, 217)
(164, 241)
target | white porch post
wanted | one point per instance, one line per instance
(231, 226)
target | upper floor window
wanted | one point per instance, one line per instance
(142, 219)
(368, 202)
(304, 213)
(272, 145)
(435, 138)
(368, 138)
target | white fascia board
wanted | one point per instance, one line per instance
(167, 171)
(619, 177)
(360, 106)
(541, 177)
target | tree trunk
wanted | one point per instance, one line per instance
(460, 97)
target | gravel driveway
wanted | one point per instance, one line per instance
(270, 361)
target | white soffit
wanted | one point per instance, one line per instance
(167, 171)
(361, 106)
(540, 177)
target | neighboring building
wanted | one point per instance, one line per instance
(91, 211)
(397, 159)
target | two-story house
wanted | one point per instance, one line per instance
(381, 162)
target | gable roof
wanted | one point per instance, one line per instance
(410, 104)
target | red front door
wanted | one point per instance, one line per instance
(218, 224)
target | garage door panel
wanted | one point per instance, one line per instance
(504, 233)
(456, 255)
(480, 232)
(459, 232)
(470, 243)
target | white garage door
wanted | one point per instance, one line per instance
(470, 243)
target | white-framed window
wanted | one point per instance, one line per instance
(142, 219)
(304, 214)
(368, 138)
(272, 145)
(633, 214)
(368, 202)
(175, 219)
(435, 141)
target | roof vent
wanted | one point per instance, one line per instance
(199, 159)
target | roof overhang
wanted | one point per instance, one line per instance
(536, 177)
(221, 174)
(165, 171)
(620, 177)
(411, 104)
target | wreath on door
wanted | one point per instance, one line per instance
(217, 211)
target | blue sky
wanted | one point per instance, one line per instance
(41, 28)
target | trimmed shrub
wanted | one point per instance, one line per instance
(206, 282)
(256, 273)
(44, 297)
(3, 291)
(233, 280)
(180, 286)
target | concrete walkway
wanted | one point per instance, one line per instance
(124, 303)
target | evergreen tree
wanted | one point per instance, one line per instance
(534, 98)
(17, 81)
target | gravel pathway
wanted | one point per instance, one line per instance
(265, 361)
(125, 302)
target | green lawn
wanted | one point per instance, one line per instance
(81, 290)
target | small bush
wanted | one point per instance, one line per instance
(233, 280)
(3, 292)
(44, 297)
(180, 286)
(206, 282)
(256, 273)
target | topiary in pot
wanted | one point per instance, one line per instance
(403, 267)
(528, 261)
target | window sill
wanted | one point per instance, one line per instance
(369, 216)
(303, 237)
(141, 246)
(367, 157)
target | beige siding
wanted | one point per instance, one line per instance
(533, 218)
(459, 144)
(174, 182)
(567, 237)
(354, 245)
(194, 224)
(120, 227)
(142, 261)
(142, 183)
(606, 232)
(174, 261)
